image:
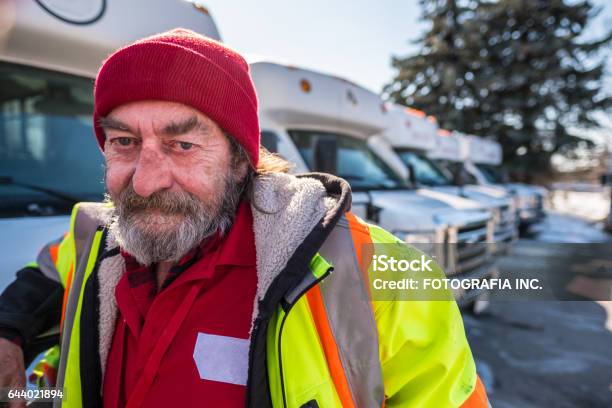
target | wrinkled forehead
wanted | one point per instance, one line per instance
(165, 118)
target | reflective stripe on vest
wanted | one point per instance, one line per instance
(436, 350)
(86, 232)
(47, 261)
(323, 343)
(323, 346)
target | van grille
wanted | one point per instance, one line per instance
(504, 224)
(470, 252)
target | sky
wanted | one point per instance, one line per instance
(354, 39)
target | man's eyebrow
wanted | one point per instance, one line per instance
(185, 126)
(111, 123)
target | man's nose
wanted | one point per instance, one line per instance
(152, 171)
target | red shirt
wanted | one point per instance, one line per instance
(206, 359)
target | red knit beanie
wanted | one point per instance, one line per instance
(182, 66)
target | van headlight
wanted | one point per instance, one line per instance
(520, 202)
(419, 238)
(525, 203)
(430, 242)
(434, 236)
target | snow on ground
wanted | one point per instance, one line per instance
(592, 205)
(565, 228)
(574, 217)
(553, 358)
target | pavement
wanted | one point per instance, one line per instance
(536, 353)
(544, 353)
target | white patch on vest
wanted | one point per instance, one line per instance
(221, 358)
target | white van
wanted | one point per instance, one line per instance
(50, 52)
(322, 123)
(450, 155)
(484, 163)
(412, 136)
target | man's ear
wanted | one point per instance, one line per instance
(241, 170)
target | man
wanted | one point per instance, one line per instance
(213, 278)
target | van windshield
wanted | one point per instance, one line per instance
(357, 164)
(453, 169)
(425, 171)
(490, 173)
(48, 154)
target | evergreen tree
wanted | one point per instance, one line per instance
(519, 71)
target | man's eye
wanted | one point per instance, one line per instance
(124, 141)
(185, 145)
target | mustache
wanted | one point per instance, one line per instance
(166, 202)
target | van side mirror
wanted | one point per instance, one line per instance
(269, 140)
(460, 177)
(458, 180)
(606, 179)
(412, 175)
(325, 154)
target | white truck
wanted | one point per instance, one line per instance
(484, 163)
(451, 154)
(412, 136)
(321, 122)
(50, 52)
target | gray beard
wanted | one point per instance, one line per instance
(135, 230)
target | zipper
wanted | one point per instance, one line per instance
(280, 330)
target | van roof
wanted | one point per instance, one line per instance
(410, 128)
(75, 37)
(297, 97)
(449, 146)
(484, 151)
